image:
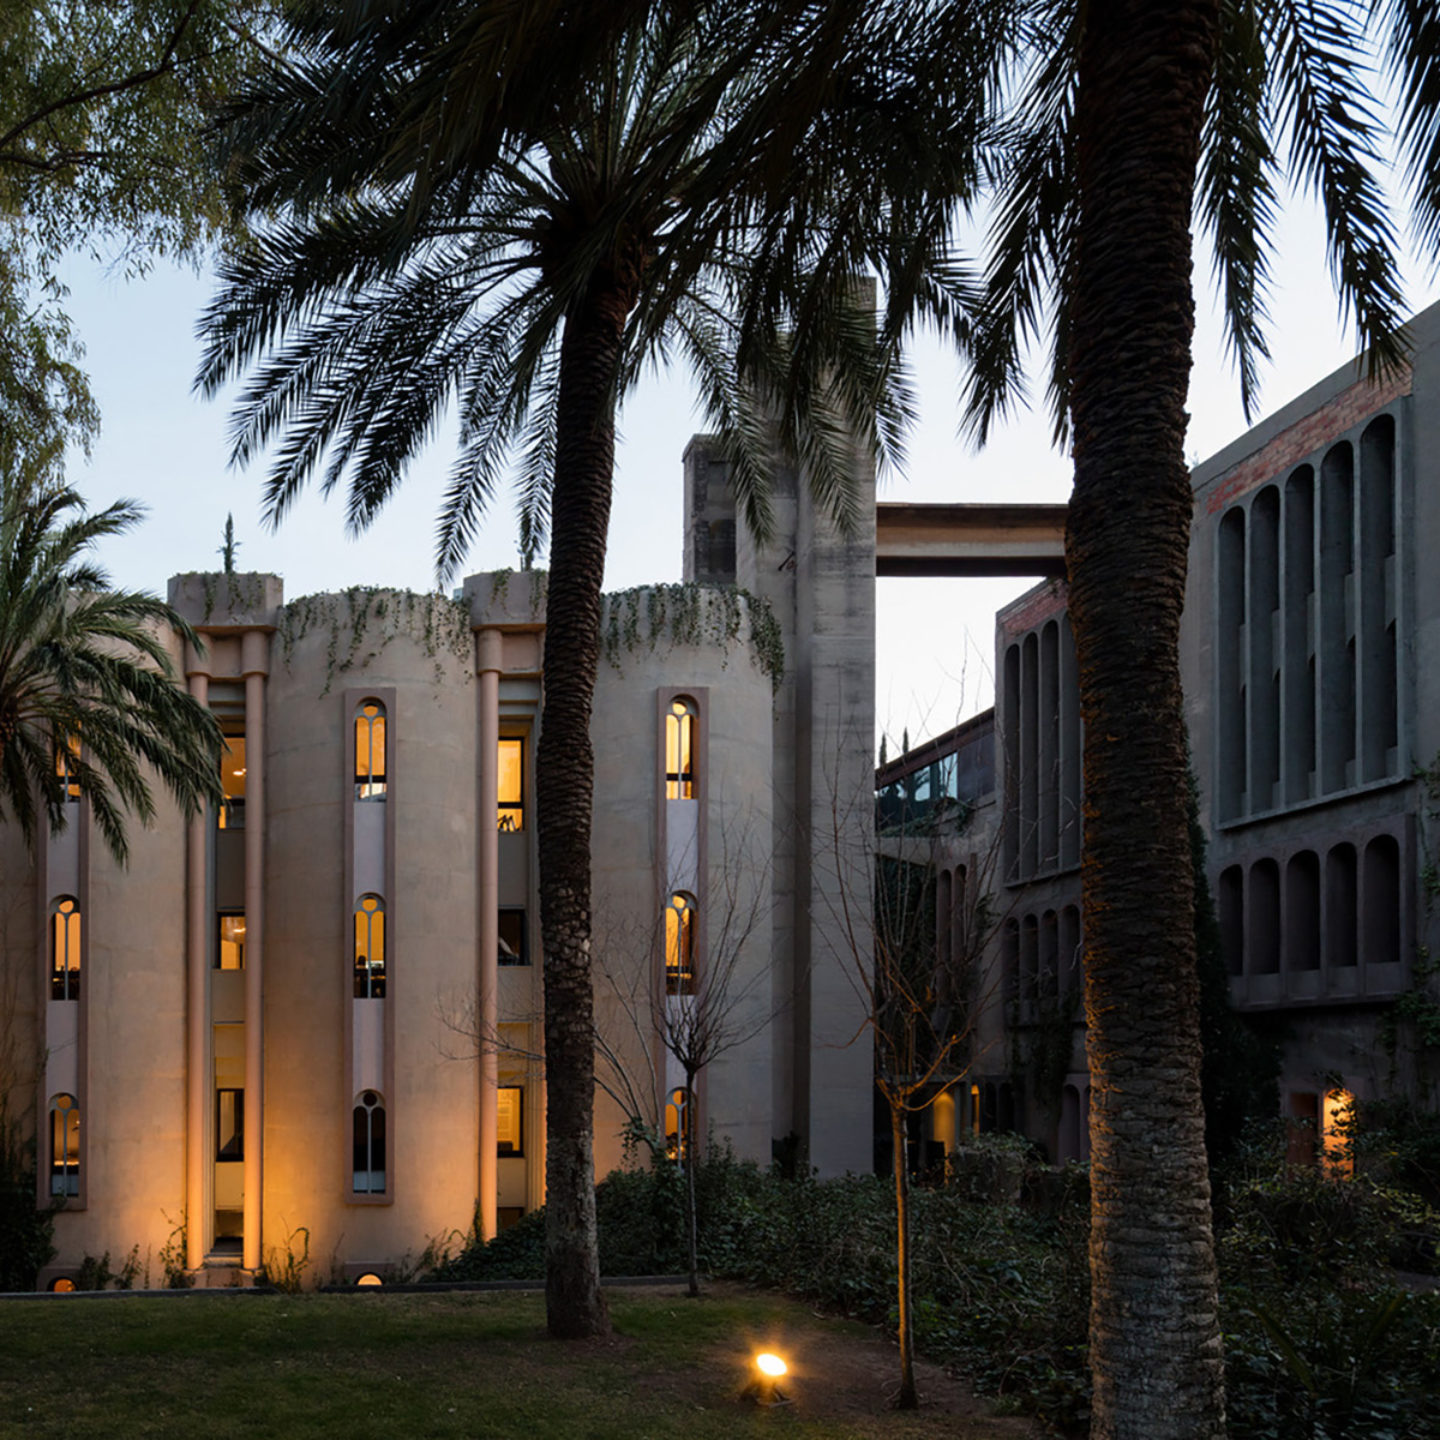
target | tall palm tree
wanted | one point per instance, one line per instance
(457, 223)
(1133, 117)
(88, 699)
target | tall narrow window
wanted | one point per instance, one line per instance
(680, 749)
(65, 949)
(230, 943)
(511, 764)
(510, 1117)
(370, 769)
(232, 782)
(680, 945)
(677, 1126)
(370, 948)
(64, 1146)
(65, 758)
(512, 942)
(229, 1124)
(369, 1147)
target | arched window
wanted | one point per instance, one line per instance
(370, 751)
(677, 1126)
(370, 948)
(64, 1146)
(369, 1144)
(65, 949)
(680, 945)
(680, 723)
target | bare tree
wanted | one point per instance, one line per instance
(920, 979)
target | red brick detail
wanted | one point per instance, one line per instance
(1050, 602)
(1306, 436)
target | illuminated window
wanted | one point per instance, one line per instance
(677, 1126)
(64, 1285)
(1337, 1119)
(232, 782)
(369, 1280)
(511, 789)
(370, 770)
(64, 1146)
(510, 1115)
(65, 949)
(370, 948)
(229, 1124)
(369, 1164)
(680, 945)
(65, 768)
(513, 949)
(230, 944)
(680, 749)
(974, 1109)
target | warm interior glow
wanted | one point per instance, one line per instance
(510, 787)
(371, 1279)
(1335, 1132)
(771, 1365)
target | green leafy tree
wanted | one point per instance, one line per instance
(89, 704)
(474, 208)
(102, 146)
(1133, 119)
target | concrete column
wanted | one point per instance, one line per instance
(255, 663)
(197, 1017)
(490, 664)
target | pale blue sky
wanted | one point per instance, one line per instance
(163, 445)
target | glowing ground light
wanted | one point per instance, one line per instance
(771, 1365)
(764, 1387)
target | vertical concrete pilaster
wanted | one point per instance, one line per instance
(255, 664)
(490, 664)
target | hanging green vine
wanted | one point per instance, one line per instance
(361, 621)
(693, 615)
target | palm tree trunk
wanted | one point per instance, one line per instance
(907, 1399)
(564, 786)
(1155, 1353)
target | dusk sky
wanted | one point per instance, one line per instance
(165, 446)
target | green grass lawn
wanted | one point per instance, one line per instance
(397, 1366)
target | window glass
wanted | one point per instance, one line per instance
(65, 949)
(677, 1126)
(230, 949)
(680, 750)
(513, 949)
(232, 782)
(369, 1146)
(229, 1124)
(65, 769)
(370, 948)
(370, 767)
(680, 945)
(510, 1114)
(511, 764)
(64, 1146)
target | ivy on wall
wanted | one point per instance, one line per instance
(693, 615)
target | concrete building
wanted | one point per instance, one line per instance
(1310, 651)
(319, 1009)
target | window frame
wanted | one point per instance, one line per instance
(66, 978)
(367, 1105)
(517, 1152)
(522, 954)
(514, 810)
(682, 720)
(64, 1170)
(680, 971)
(367, 787)
(369, 987)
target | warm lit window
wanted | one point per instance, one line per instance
(510, 1115)
(369, 1147)
(680, 750)
(1337, 1121)
(65, 759)
(229, 1124)
(513, 949)
(680, 945)
(230, 945)
(677, 1126)
(232, 782)
(370, 771)
(65, 949)
(64, 1146)
(511, 789)
(370, 948)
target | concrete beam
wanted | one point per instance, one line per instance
(970, 540)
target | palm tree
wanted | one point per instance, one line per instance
(460, 224)
(1134, 116)
(88, 697)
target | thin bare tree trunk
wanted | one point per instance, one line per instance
(907, 1399)
(1145, 66)
(564, 791)
(691, 1155)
